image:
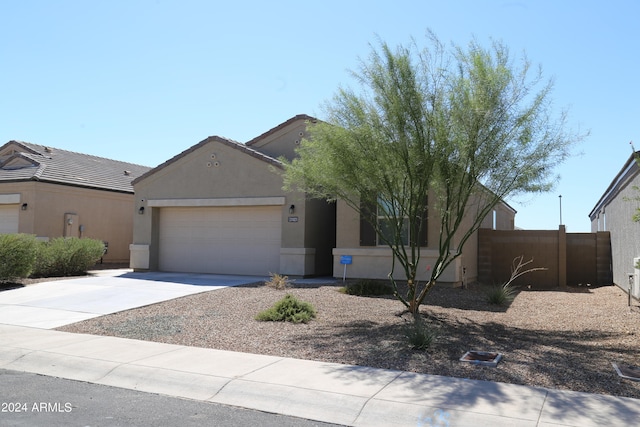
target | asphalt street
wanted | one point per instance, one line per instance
(33, 400)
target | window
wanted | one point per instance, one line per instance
(386, 227)
(371, 214)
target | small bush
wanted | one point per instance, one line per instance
(17, 256)
(278, 282)
(368, 288)
(501, 294)
(419, 334)
(61, 256)
(288, 309)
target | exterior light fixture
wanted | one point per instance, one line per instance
(292, 209)
(24, 207)
(141, 210)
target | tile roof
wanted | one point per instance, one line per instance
(23, 161)
(281, 126)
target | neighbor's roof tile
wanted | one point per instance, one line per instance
(65, 167)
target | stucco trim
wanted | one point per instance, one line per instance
(9, 199)
(382, 251)
(231, 201)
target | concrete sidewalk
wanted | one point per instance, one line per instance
(342, 394)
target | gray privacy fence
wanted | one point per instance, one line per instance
(570, 258)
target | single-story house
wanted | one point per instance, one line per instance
(614, 213)
(219, 207)
(49, 192)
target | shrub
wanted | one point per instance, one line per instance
(501, 294)
(17, 255)
(278, 281)
(368, 288)
(505, 293)
(419, 334)
(67, 256)
(288, 309)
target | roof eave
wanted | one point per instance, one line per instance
(282, 125)
(606, 196)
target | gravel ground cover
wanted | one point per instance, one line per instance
(564, 339)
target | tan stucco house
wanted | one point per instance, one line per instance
(219, 207)
(51, 192)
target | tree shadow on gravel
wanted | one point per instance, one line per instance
(472, 298)
(552, 359)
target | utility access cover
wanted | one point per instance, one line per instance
(629, 372)
(484, 358)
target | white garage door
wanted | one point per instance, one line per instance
(224, 240)
(8, 219)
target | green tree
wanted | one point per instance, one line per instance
(465, 126)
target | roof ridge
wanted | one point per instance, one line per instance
(280, 126)
(250, 150)
(52, 150)
(40, 171)
(66, 167)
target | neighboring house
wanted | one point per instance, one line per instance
(52, 193)
(219, 207)
(613, 213)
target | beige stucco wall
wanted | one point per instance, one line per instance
(616, 216)
(97, 214)
(217, 173)
(282, 142)
(504, 218)
(376, 262)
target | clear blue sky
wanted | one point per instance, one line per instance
(141, 81)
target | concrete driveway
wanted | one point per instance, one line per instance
(49, 305)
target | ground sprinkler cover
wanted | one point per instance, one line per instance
(484, 358)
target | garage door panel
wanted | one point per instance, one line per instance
(226, 240)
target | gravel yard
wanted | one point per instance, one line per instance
(558, 339)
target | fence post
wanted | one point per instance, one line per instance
(562, 256)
